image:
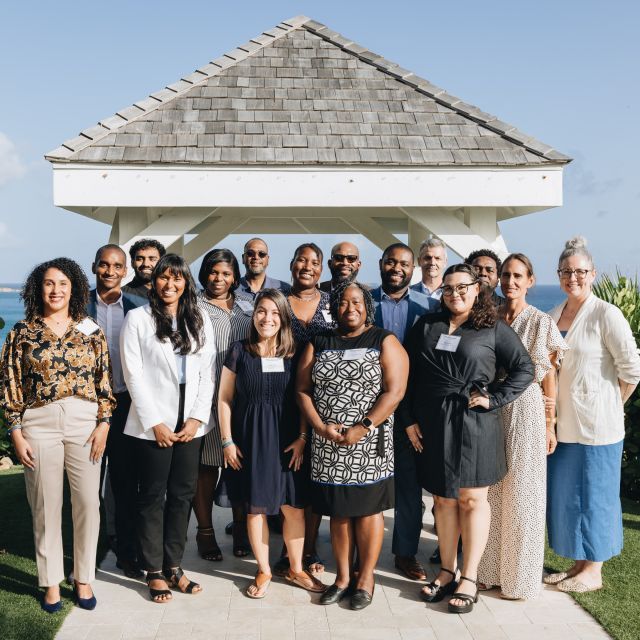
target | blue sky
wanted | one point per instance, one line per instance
(560, 71)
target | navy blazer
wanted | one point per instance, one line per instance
(419, 304)
(129, 302)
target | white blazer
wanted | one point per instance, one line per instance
(150, 371)
(603, 349)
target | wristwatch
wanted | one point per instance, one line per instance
(367, 424)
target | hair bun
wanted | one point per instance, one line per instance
(578, 242)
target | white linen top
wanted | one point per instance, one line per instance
(602, 350)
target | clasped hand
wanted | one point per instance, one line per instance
(165, 437)
(477, 399)
(340, 435)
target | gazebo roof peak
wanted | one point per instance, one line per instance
(301, 94)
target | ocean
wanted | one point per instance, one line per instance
(544, 296)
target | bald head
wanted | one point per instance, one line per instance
(344, 263)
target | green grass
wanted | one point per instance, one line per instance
(21, 617)
(616, 606)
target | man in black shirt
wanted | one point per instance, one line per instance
(144, 254)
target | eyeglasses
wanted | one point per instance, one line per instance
(341, 257)
(478, 268)
(566, 274)
(252, 253)
(460, 289)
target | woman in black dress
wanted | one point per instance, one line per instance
(453, 401)
(350, 381)
(263, 439)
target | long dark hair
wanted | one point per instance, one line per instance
(483, 313)
(189, 330)
(337, 293)
(285, 343)
(31, 293)
(211, 259)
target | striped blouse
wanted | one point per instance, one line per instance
(228, 327)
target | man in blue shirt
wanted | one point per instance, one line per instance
(397, 308)
(255, 259)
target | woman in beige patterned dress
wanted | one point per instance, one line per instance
(513, 558)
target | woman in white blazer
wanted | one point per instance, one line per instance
(598, 374)
(167, 350)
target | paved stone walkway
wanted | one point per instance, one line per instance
(223, 612)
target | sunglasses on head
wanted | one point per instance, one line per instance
(252, 253)
(341, 257)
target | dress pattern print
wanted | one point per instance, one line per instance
(344, 391)
(514, 555)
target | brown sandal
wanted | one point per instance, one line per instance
(261, 583)
(302, 580)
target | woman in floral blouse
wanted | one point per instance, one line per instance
(56, 393)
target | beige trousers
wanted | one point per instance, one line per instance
(58, 433)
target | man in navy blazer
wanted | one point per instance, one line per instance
(108, 304)
(397, 308)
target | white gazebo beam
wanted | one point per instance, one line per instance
(372, 230)
(210, 233)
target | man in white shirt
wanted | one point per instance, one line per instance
(432, 258)
(108, 305)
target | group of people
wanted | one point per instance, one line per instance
(292, 401)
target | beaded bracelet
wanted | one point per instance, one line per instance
(303, 435)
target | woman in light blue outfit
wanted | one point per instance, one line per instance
(598, 374)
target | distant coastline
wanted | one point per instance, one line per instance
(10, 287)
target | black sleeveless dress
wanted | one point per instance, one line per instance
(355, 480)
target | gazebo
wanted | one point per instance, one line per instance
(302, 131)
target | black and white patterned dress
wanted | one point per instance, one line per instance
(355, 480)
(228, 327)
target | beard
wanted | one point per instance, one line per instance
(339, 278)
(255, 271)
(393, 286)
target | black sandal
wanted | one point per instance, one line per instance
(439, 591)
(174, 576)
(158, 593)
(467, 599)
(207, 545)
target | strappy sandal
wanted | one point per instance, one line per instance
(241, 546)
(468, 600)
(174, 576)
(161, 596)
(311, 559)
(207, 545)
(439, 591)
(261, 582)
(302, 580)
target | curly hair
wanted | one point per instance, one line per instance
(337, 293)
(31, 293)
(189, 329)
(214, 257)
(483, 313)
(286, 346)
(484, 253)
(145, 243)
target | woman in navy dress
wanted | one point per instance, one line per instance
(263, 441)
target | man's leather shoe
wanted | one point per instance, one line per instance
(130, 569)
(410, 567)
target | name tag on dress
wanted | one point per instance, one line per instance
(448, 343)
(272, 365)
(87, 326)
(326, 314)
(354, 354)
(245, 306)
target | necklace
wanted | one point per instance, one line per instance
(220, 299)
(313, 296)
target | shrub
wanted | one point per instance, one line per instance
(624, 293)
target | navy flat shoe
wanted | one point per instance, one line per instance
(84, 603)
(54, 607)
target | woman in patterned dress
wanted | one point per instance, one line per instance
(350, 382)
(514, 555)
(57, 399)
(231, 319)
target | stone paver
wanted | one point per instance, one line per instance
(223, 612)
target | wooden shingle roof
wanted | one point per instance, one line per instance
(302, 94)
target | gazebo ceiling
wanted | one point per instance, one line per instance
(302, 94)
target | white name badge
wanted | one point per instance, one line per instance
(354, 354)
(245, 305)
(272, 365)
(326, 314)
(448, 343)
(87, 326)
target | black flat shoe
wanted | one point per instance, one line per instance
(361, 599)
(468, 600)
(130, 569)
(334, 594)
(439, 591)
